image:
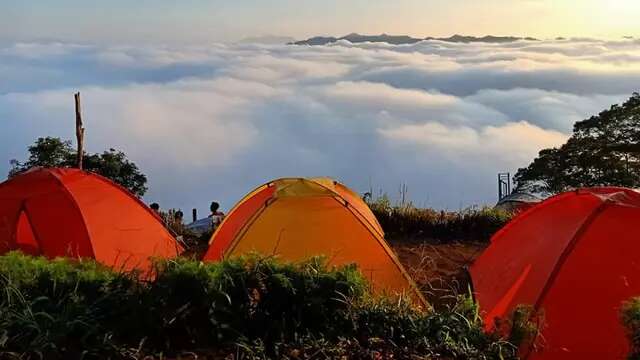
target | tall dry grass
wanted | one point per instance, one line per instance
(409, 223)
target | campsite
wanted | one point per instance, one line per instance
(264, 303)
(305, 268)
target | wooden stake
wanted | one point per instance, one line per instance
(79, 132)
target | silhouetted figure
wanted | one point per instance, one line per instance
(178, 215)
(155, 207)
(216, 215)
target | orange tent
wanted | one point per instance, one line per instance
(575, 257)
(69, 212)
(300, 218)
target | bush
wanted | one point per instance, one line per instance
(408, 223)
(60, 307)
(630, 317)
(251, 307)
(250, 297)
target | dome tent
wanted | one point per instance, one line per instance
(69, 212)
(298, 218)
(518, 202)
(575, 258)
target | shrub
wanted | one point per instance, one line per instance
(382, 329)
(251, 297)
(61, 307)
(250, 307)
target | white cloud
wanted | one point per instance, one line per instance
(213, 121)
(513, 143)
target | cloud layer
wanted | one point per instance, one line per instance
(212, 122)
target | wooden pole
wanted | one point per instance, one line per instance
(79, 132)
(194, 214)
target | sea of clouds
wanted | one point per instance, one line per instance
(214, 121)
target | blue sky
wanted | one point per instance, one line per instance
(165, 21)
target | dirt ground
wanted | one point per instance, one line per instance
(439, 270)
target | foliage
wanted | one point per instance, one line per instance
(603, 150)
(630, 317)
(454, 332)
(381, 329)
(45, 152)
(525, 325)
(112, 164)
(522, 327)
(249, 308)
(410, 223)
(50, 308)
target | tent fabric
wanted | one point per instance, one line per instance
(69, 212)
(299, 218)
(575, 258)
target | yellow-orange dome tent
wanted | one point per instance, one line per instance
(299, 218)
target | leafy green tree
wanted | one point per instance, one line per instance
(45, 152)
(603, 150)
(112, 164)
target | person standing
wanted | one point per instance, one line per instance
(216, 215)
(178, 216)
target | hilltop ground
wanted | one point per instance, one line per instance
(435, 247)
(439, 269)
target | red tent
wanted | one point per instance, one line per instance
(576, 258)
(69, 212)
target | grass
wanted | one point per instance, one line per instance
(246, 308)
(406, 223)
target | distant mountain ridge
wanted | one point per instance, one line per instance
(404, 39)
(267, 40)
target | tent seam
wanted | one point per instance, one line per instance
(549, 201)
(242, 201)
(571, 245)
(245, 228)
(122, 189)
(75, 205)
(348, 205)
(389, 253)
